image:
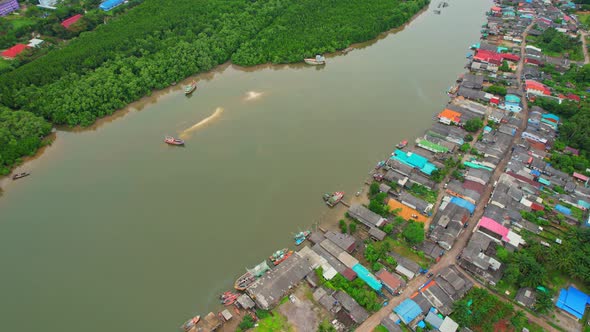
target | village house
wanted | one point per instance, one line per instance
(8, 6)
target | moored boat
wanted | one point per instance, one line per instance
(301, 237)
(188, 89)
(380, 164)
(20, 175)
(402, 144)
(173, 141)
(248, 278)
(318, 60)
(190, 323)
(280, 256)
(334, 198)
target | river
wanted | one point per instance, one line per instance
(115, 231)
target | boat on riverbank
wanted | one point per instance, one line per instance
(280, 256)
(402, 144)
(301, 237)
(190, 323)
(334, 198)
(317, 61)
(248, 278)
(20, 175)
(173, 141)
(188, 89)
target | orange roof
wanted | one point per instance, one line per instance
(406, 211)
(451, 115)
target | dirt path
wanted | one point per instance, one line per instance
(583, 35)
(450, 257)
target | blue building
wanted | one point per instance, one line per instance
(110, 4)
(573, 302)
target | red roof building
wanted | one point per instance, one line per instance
(571, 150)
(580, 177)
(537, 88)
(69, 21)
(510, 57)
(12, 52)
(532, 61)
(488, 57)
(349, 274)
(391, 282)
(573, 97)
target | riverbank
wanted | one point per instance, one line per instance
(156, 94)
(253, 176)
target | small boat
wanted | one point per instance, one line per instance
(318, 60)
(188, 89)
(402, 144)
(173, 141)
(358, 193)
(301, 237)
(334, 198)
(190, 323)
(380, 164)
(20, 175)
(280, 256)
(248, 278)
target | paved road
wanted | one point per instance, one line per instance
(450, 257)
(583, 35)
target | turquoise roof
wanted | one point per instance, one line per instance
(584, 204)
(512, 99)
(545, 182)
(414, 160)
(551, 116)
(367, 277)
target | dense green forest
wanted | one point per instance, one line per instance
(20, 134)
(164, 41)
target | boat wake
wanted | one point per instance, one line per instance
(252, 95)
(186, 133)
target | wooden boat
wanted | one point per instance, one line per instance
(20, 175)
(318, 60)
(380, 164)
(188, 89)
(334, 198)
(283, 258)
(248, 278)
(173, 141)
(190, 323)
(301, 237)
(402, 144)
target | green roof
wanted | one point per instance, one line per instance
(432, 146)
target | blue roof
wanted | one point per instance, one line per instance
(367, 277)
(563, 209)
(535, 172)
(110, 4)
(463, 203)
(408, 310)
(551, 116)
(573, 301)
(414, 160)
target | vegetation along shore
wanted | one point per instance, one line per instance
(117, 63)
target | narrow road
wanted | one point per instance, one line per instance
(583, 35)
(450, 257)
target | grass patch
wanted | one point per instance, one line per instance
(423, 193)
(4, 64)
(380, 328)
(275, 322)
(20, 22)
(402, 249)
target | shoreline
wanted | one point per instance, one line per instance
(207, 76)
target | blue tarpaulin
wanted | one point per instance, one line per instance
(367, 277)
(573, 301)
(535, 172)
(408, 310)
(563, 209)
(463, 203)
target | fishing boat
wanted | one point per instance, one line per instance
(380, 164)
(188, 89)
(334, 198)
(190, 323)
(318, 60)
(402, 144)
(248, 278)
(20, 175)
(280, 256)
(301, 237)
(173, 141)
